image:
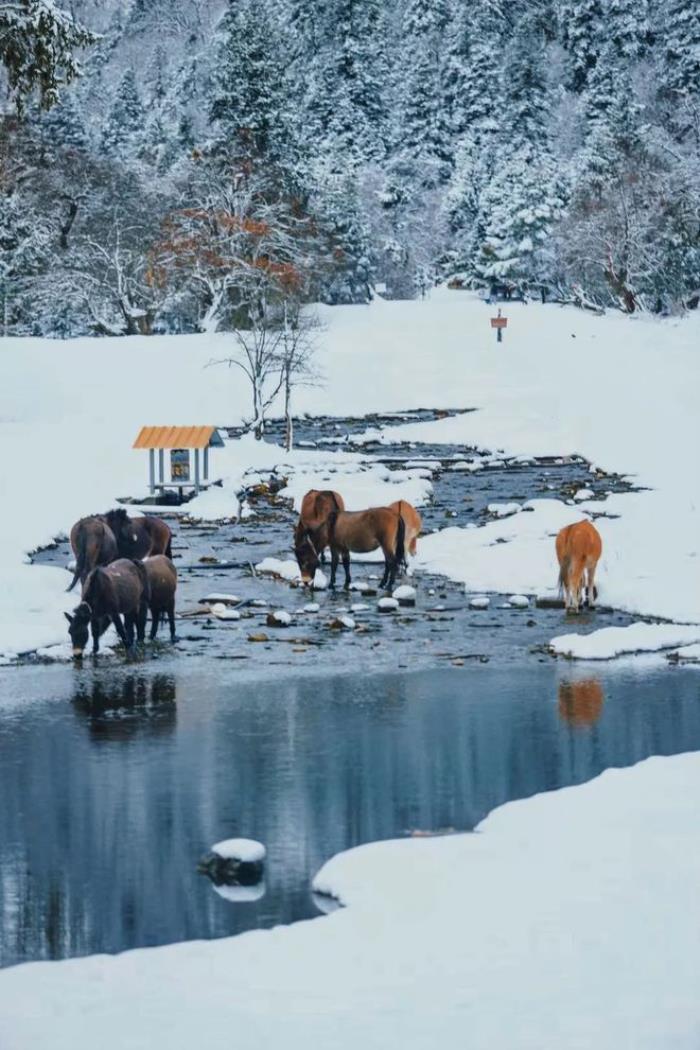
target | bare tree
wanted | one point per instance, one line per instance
(297, 346)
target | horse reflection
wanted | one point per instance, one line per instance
(124, 707)
(581, 703)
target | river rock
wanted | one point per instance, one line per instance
(279, 618)
(519, 601)
(311, 607)
(479, 602)
(223, 599)
(223, 612)
(405, 595)
(342, 623)
(583, 494)
(387, 605)
(234, 862)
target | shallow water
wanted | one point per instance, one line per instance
(114, 781)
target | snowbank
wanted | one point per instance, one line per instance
(466, 940)
(609, 642)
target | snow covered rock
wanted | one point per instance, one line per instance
(358, 607)
(241, 894)
(279, 618)
(479, 602)
(224, 599)
(519, 601)
(224, 612)
(405, 595)
(503, 510)
(311, 607)
(583, 494)
(342, 623)
(387, 605)
(234, 862)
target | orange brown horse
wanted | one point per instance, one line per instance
(413, 523)
(579, 548)
(359, 531)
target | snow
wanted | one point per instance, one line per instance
(609, 642)
(519, 601)
(311, 607)
(479, 602)
(223, 612)
(248, 851)
(503, 510)
(405, 593)
(386, 605)
(221, 598)
(596, 948)
(280, 617)
(241, 894)
(583, 494)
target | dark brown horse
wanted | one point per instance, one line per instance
(93, 544)
(117, 590)
(360, 531)
(316, 505)
(139, 537)
(162, 584)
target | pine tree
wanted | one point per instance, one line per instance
(581, 22)
(348, 271)
(63, 126)
(123, 131)
(681, 53)
(248, 108)
(424, 124)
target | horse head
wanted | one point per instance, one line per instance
(308, 557)
(78, 625)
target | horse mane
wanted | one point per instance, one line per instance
(117, 514)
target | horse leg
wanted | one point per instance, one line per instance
(141, 618)
(346, 566)
(171, 621)
(334, 568)
(129, 623)
(96, 632)
(119, 628)
(155, 618)
(592, 592)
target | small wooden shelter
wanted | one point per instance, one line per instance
(180, 442)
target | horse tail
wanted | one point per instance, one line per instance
(330, 525)
(335, 501)
(400, 549)
(80, 555)
(169, 548)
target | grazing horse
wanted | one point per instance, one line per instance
(93, 544)
(579, 547)
(162, 584)
(413, 523)
(119, 589)
(315, 508)
(139, 537)
(360, 531)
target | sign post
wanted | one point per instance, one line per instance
(499, 323)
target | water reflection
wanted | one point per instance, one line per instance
(112, 792)
(581, 703)
(136, 704)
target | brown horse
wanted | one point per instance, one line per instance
(413, 523)
(93, 544)
(579, 548)
(315, 508)
(162, 584)
(360, 531)
(139, 537)
(119, 589)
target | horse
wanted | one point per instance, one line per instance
(578, 548)
(359, 531)
(110, 592)
(139, 537)
(315, 508)
(93, 543)
(162, 584)
(413, 522)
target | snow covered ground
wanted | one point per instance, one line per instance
(567, 920)
(621, 392)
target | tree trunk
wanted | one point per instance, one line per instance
(288, 421)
